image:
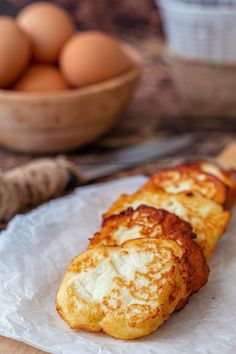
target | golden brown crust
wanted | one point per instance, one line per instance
(126, 291)
(187, 178)
(144, 263)
(147, 222)
(207, 218)
(226, 176)
(198, 268)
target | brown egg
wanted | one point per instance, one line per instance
(15, 51)
(92, 57)
(41, 78)
(48, 26)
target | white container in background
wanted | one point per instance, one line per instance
(201, 32)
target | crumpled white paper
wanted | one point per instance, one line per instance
(36, 249)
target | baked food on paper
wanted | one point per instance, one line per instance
(126, 291)
(189, 179)
(207, 218)
(148, 222)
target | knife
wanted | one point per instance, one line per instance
(135, 155)
(38, 181)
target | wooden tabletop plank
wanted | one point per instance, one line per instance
(9, 346)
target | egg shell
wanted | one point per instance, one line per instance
(41, 78)
(91, 57)
(48, 26)
(15, 51)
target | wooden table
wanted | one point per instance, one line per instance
(9, 346)
(154, 112)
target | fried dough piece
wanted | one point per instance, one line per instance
(207, 218)
(228, 177)
(126, 291)
(149, 222)
(190, 179)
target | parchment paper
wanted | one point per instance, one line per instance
(35, 251)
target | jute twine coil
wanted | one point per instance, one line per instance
(33, 184)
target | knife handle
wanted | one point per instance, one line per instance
(35, 183)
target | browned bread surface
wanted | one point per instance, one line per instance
(190, 179)
(126, 291)
(148, 222)
(207, 218)
(228, 177)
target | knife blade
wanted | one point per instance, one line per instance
(135, 155)
(39, 181)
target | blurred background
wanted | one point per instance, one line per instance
(127, 17)
(173, 96)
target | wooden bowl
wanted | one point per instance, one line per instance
(64, 120)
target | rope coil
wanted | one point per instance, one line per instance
(33, 184)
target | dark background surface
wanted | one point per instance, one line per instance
(155, 110)
(130, 17)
